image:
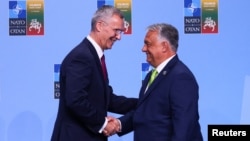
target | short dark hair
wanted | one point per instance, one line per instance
(168, 32)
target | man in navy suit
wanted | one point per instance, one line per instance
(85, 93)
(167, 109)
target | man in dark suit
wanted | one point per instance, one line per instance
(86, 96)
(167, 109)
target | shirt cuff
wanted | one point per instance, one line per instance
(120, 130)
(104, 125)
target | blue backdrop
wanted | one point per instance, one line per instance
(220, 62)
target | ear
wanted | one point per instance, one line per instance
(99, 26)
(165, 46)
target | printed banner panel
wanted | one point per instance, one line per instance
(26, 17)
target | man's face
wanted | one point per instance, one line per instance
(112, 31)
(153, 48)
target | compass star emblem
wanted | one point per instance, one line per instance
(17, 9)
(192, 7)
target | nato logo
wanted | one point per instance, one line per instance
(56, 80)
(17, 18)
(17, 9)
(192, 8)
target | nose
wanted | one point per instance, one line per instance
(118, 36)
(144, 49)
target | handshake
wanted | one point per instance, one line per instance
(113, 126)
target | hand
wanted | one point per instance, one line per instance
(112, 127)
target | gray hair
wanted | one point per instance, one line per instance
(166, 32)
(103, 13)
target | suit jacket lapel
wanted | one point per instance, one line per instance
(95, 55)
(98, 64)
(144, 85)
(144, 95)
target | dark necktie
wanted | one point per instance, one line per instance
(104, 69)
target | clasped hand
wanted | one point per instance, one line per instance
(112, 127)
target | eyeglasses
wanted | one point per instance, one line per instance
(116, 30)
